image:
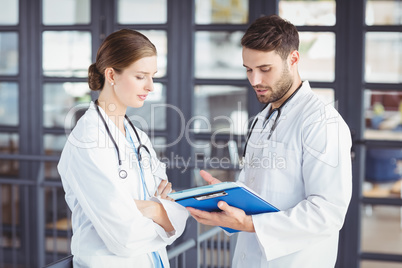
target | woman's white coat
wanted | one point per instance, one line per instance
(108, 229)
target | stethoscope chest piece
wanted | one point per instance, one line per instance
(122, 174)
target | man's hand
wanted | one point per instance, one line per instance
(208, 177)
(230, 217)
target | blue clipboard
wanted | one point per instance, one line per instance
(237, 195)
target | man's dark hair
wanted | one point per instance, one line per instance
(272, 33)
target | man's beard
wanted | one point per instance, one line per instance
(280, 88)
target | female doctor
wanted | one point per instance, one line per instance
(114, 184)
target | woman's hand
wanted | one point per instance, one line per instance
(164, 189)
(155, 211)
(149, 209)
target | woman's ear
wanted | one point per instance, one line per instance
(109, 75)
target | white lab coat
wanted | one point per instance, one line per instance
(305, 171)
(108, 229)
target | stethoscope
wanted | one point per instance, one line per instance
(270, 114)
(122, 172)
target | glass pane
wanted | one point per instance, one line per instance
(8, 53)
(64, 103)
(383, 57)
(9, 103)
(218, 55)
(9, 12)
(216, 154)
(383, 115)
(141, 12)
(66, 12)
(57, 217)
(327, 95)
(51, 172)
(10, 200)
(53, 145)
(317, 56)
(66, 53)
(220, 109)
(159, 145)
(308, 12)
(383, 173)
(159, 39)
(151, 116)
(383, 12)
(12, 223)
(381, 231)
(9, 144)
(221, 11)
(376, 264)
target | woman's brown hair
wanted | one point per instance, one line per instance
(118, 51)
(272, 33)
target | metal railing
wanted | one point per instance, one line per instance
(35, 226)
(202, 247)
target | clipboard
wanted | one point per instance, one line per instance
(235, 194)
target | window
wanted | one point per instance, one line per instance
(382, 112)
(198, 114)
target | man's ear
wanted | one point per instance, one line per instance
(294, 57)
(109, 75)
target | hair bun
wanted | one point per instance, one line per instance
(96, 80)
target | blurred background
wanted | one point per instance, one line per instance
(351, 52)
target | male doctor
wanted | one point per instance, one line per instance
(297, 157)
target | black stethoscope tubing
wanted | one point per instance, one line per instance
(122, 172)
(279, 109)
